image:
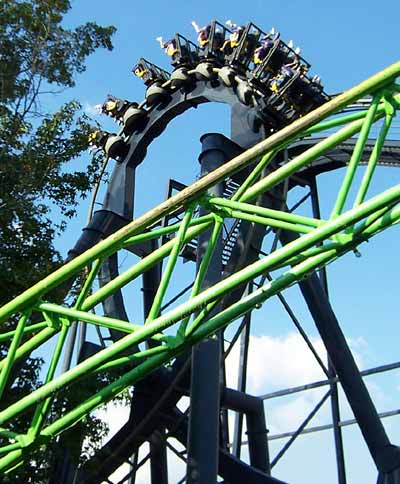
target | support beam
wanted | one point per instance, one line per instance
(203, 436)
(385, 455)
(253, 408)
(241, 386)
(230, 468)
(158, 458)
(158, 449)
(334, 400)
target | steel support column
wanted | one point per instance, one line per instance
(203, 435)
(242, 377)
(385, 455)
(158, 448)
(158, 458)
(253, 408)
(335, 408)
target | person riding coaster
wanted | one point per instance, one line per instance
(204, 33)
(169, 46)
(234, 37)
(112, 105)
(266, 44)
(285, 73)
(139, 70)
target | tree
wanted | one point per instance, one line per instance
(39, 56)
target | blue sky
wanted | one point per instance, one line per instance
(345, 41)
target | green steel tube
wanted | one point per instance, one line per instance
(78, 315)
(125, 360)
(153, 234)
(52, 322)
(334, 123)
(373, 160)
(32, 344)
(28, 329)
(115, 241)
(87, 286)
(173, 257)
(104, 395)
(203, 268)
(205, 330)
(199, 319)
(301, 160)
(352, 238)
(157, 233)
(138, 269)
(10, 448)
(376, 229)
(355, 158)
(375, 223)
(207, 257)
(269, 222)
(254, 174)
(10, 358)
(309, 253)
(8, 434)
(266, 212)
(396, 100)
(388, 219)
(8, 461)
(43, 407)
(88, 283)
(361, 227)
(208, 295)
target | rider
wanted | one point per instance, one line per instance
(266, 44)
(234, 37)
(285, 73)
(140, 70)
(169, 46)
(204, 33)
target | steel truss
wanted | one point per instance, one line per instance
(308, 244)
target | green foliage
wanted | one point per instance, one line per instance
(39, 188)
(38, 55)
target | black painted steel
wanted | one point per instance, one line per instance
(242, 377)
(253, 408)
(158, 458)
(385, 455)
(335, 408)
(203, 438)
(230, 468)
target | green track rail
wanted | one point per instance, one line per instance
(320, 242)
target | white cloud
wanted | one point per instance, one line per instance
(277, 362)
(282, 362)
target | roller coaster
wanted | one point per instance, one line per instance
(243, 242)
